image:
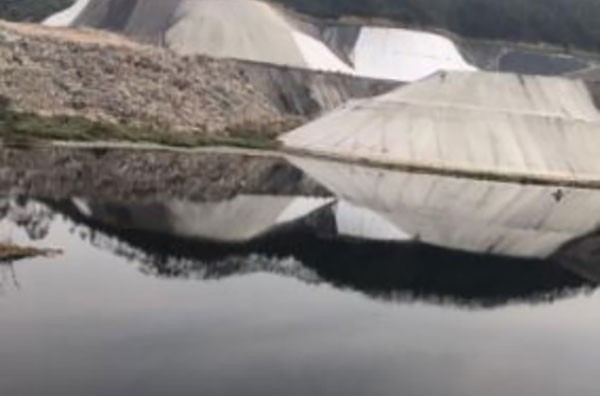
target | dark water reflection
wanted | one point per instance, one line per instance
(395, 284)
(311, 250)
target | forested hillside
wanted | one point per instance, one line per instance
(30, 10)
(569, 23)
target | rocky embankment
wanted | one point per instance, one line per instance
(106, 78)
(128, 84)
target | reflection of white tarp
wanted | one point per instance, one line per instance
(239, 219)
(475, 122)
(465, 214)
(359, 222)
(257, 31)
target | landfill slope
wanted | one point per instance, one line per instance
(481, 123)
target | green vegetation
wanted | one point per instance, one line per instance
(30, 10)
(27, 129)
(567, 23)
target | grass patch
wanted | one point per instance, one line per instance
(19, 129)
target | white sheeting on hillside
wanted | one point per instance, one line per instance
(317, 56)
(404, 55)
(257, 31)
(68, 16)
(471, 215)
(471, 122)
(241, 29)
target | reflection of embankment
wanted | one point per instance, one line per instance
(310, 249)
(147, 175)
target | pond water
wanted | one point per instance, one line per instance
(392, 284)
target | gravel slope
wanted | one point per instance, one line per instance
(57, 73)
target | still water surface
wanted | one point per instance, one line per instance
(396, 284)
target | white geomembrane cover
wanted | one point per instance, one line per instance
(467, 121)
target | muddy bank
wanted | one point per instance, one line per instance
(120, 174)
